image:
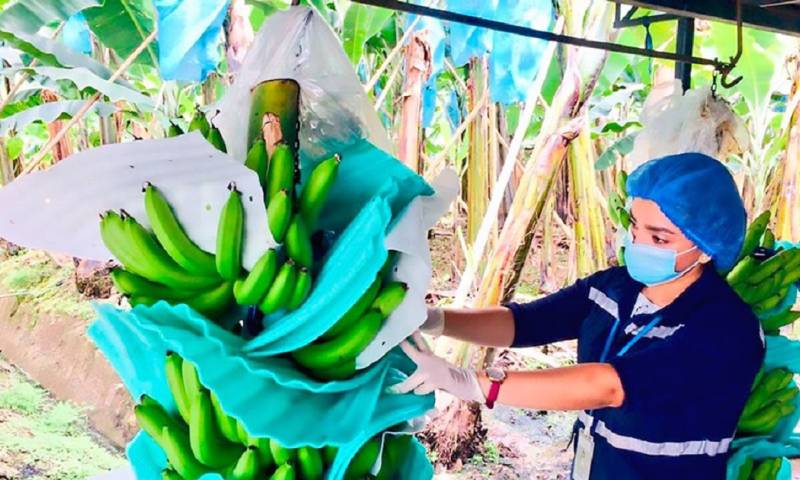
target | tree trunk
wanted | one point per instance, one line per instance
(62, 149)
(417, 69)
(478, 169)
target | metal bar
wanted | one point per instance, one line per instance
(684, 46)
(646, 20)
(532, 33)
(778, 19)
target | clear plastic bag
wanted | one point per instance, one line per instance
(695, 121)
(335, 111)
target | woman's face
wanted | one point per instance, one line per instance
(650, 226)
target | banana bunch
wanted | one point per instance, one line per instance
(166, 264)
(201, 124)
(395, 449)
(276, 284)
(333, 355)
(764, 285)
(771, 400)
(616, 202)
(762, 470)
(617, 210)
(202, 438)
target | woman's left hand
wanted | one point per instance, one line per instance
(434, 373)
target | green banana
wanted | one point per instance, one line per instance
(315, 191)
(388, 264)
(241, 432)
(772, 381)
(763, 420)
(767, 469)
(135, 285)
(301, 290)
(179, 454)
(252, 289)
(768, 241)
(281, 290)
(174, 130)
(778, 321)
(112, 231)
(174, 371)
(170, 474)
(772, 301)
(309, 463)
(264, 454)
(622, 183)
(769, 267)
(215, 139)
(362, 462)
(258, 161)
(213, 302)
(205, 438)
(153, 418)
(280, 454)
(281, 173)
(173, 238)
(156, 263)
(745, 470)
(279, 214)
(298, 242)
(200, 123)
(356, 311)
(225, 423)
(754, 293)
(344, 347)
(390, 297)
(624, 218)
(340, 371)
(230, 232)
(191, 383)
(754, 233)
(742, 269)
(247, 467)
(786, 395)
(613, 203)
(280, 97)
(329, 453)
(147, 400)
(284, 472)
(394, 451)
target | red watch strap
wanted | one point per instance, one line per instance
(494, 392)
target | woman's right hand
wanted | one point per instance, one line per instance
(434, 323)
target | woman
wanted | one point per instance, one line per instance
(667, 351)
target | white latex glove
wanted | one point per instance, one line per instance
(434, 323)
(434, 373)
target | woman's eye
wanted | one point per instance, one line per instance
(659, 241)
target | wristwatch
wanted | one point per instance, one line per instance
(497, 376)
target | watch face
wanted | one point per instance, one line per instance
(495, 374)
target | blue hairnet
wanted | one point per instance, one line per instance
(698, 194)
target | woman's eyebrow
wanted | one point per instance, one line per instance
(659, 229)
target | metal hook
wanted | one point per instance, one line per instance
(726, 68)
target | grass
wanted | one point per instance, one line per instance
(42, 439)
(46, 286)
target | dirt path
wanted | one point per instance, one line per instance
(45, 439)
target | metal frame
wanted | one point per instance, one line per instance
(724, 68)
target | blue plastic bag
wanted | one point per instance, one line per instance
(189, 34)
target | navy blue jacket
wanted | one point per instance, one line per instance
(685, 382)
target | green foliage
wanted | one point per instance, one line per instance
(122, 25)
(22, 397)
(361, 22)
(21, 18)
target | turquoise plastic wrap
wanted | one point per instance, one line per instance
(761, 449)
(785, 353)
(268, 395)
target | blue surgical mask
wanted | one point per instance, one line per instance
(652, 265)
